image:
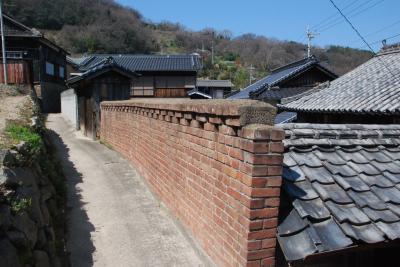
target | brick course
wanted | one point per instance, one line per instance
(218, 176)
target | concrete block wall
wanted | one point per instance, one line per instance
(217, 171)
(69, 106)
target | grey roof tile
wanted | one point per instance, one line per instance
(332, 192)
(314, 209)
(381, 215)
(368, 233)
(297, 246)
(292, 224)
(348, 213)
(331, 235)
(344, 183)
(369, 88)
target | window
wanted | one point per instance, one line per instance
(14, 54)
(61, 72)
(49, 68)
(143, 86)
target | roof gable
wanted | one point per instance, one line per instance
(343, 182)
(15, 28)
(282, 75)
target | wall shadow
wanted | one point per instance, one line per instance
(80, 247)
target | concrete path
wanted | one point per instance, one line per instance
(114, 220)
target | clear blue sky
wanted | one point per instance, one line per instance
(281, 19)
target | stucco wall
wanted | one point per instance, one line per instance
(69, 107)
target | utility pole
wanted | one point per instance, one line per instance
(3, 43)
(212, 51)
(251, 69)
(310, 35)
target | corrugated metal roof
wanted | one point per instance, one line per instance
(279, 75)
(146, 62)
(373, 87)
(344, 185)
(214, 83)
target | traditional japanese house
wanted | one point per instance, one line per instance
(211, 89)
(106, 81)
(32, 59)
(289, 80)
(165, 76)
(369, 94)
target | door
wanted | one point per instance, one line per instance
(82, 112)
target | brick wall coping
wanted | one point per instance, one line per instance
(245, 111)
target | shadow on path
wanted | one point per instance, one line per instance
(79, 243)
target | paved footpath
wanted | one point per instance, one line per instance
(114, 220)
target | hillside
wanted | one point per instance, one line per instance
(103, 26)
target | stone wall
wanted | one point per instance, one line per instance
(31, 206)
(216, 164)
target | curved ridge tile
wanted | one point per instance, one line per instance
(354, 183)
(377, 156)
(330, 157)
(314, 209)
(395, 178)
(292, 224)
(332, 192)
(381, 215)
(367, 199)
(288, 161)
(368, 169)
(308, 159)
(331, 235)
(391, 230)
(368, 233)
(348, 213)
(343, 170)
(319, 174)
(391, 194)
(376, 180)
(293, 174)
(300, 190)
(351, 156)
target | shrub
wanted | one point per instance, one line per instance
(20, 133)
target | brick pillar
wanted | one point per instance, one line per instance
(263, 159)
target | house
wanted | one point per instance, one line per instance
(106, 81)
(289, 80)
(211, 89)
(33, 59)
(165, 76)
(340, 201)
(369, 94)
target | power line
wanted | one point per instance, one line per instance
(333, 15)
(377, 31)
(362, 38)
(352, 15)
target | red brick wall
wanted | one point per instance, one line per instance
(219, 177)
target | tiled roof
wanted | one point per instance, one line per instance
(369, 89)
(146, 62)
(343, 182)
(285, 117)
(196, 92)
(103, 66)
(214, 83)
(279, 75)
(279, 93)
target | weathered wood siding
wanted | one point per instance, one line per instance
(18, 72)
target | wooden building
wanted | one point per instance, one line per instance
(165, 76)
(286, 81)
(105, 82)
(211, 89)
(369, 94)
(33, 59)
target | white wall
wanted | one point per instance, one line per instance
(69, 106)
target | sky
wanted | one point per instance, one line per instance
(283, 19)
